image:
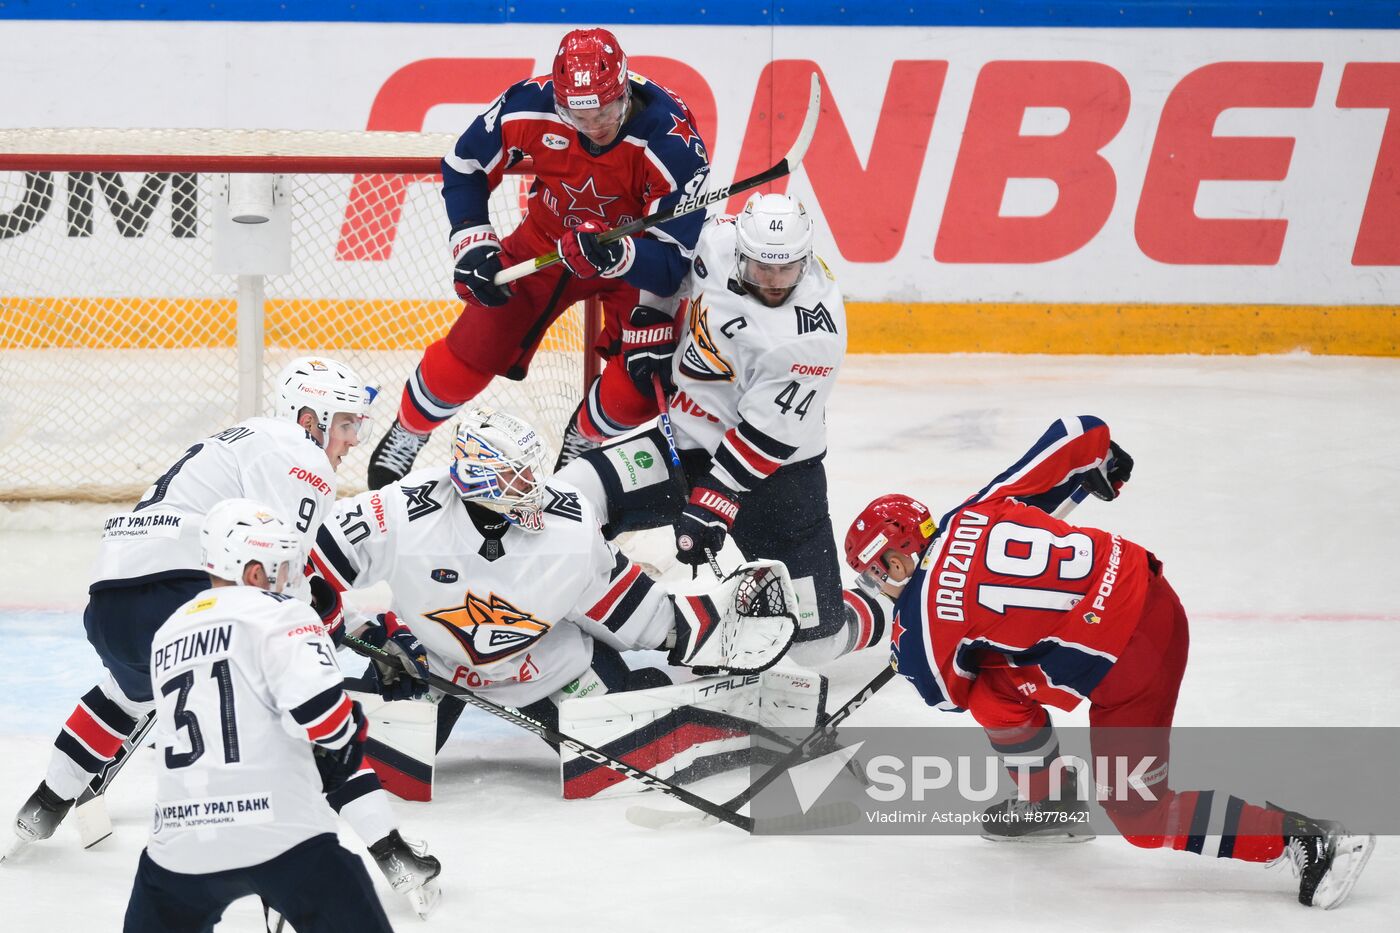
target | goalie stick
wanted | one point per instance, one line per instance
(678, 471)
(692, 202)
(653, 818)
(817, 819)
(90, 809)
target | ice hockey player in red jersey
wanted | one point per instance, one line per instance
(1003, 609)
(607, 147)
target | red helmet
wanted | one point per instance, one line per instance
(590, 69)
(893, 522)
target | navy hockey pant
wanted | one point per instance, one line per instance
(121, 623)
(317, 885)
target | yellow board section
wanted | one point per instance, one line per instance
(1101, 329)
(1110, 329)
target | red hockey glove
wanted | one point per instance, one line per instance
(586, 257)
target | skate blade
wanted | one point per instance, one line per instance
(1347, 867)
(16, 846)
(425, 898)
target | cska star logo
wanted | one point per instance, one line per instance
(586, 199)
(490, 629)
(701, 359)
(683, 129)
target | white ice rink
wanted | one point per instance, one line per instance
(1269, 486)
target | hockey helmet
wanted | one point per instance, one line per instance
(499, 463)
(772, 241)
(324, 386)
(890, 523)
(237, 532)
(590, 73)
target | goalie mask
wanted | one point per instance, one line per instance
(889, 523)
(772, 246)
(327, 388)
(498, 462)
(237, 532)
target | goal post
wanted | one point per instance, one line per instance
(125, 332)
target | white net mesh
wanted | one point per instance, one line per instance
(118, 341)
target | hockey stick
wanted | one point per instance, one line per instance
(693, 202)
(652, 818)
(677, 474)
(90, 809)
(813, 820)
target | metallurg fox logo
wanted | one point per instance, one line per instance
(701, 358)
(490, 629)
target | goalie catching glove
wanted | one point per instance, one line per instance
(403, 677)
(742, 626)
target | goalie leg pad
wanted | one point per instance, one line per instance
(401, 745)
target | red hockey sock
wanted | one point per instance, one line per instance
(440, 386)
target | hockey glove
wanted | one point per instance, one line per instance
(706, 519)
(338, 765)
(1106, 481)
(477, 253)
(325, 599)
(586, 257)
(648, 343)
(401, 678)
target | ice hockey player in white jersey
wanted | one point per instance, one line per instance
(510, 586)
(148, 562)
(764, 335)
(252, 729)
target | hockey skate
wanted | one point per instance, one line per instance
(1325, 857)
(410, 870)
(38, 818)
(393, 457)
(573, 444)
(1038, 822)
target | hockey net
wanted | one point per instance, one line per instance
(119, 344)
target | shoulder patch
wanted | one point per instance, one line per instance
(810, 320)
(420, 500)
(444, 575)
(564, 504)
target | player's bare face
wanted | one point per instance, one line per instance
(342, 434)
(600, 124)
(771, 283)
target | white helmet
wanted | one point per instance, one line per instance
(239, 531)
(773, 241)
(499, 462)
(324, 386)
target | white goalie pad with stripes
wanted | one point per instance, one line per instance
(683, 732)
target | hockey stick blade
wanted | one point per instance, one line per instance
(694, 202)
(93, 822)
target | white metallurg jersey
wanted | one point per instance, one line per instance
(245, 680)
(269, 460)
(752, 381)
(513, 617)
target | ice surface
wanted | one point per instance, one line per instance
(1269, 486)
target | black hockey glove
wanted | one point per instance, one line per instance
(402, 678)
(325, 599)
(477, 252)
(705, 521)
(648, 343)
(586, 256)
(338, 765)
(1106, 481)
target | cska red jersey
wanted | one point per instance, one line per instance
(1006, 584)
(656, 159)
